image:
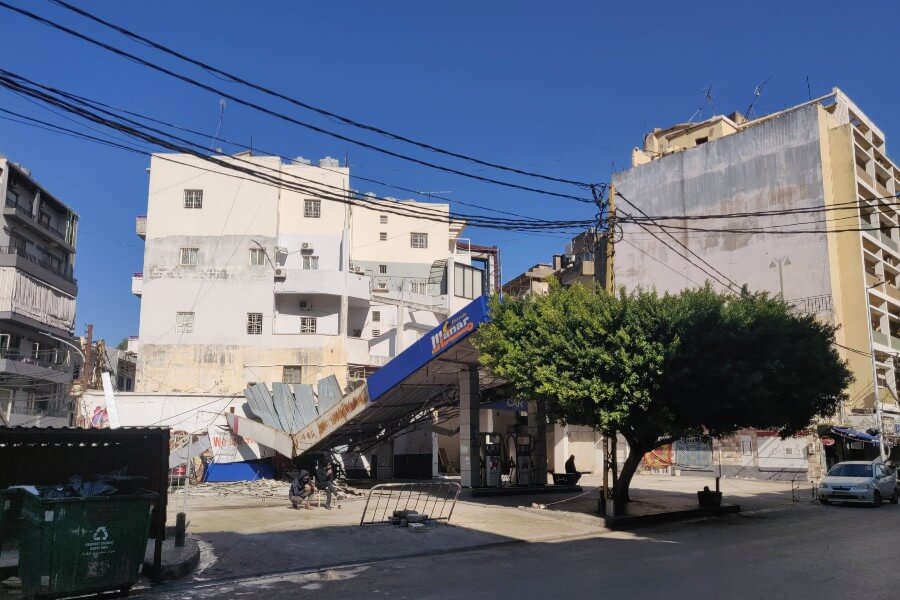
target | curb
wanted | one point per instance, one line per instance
(176, 562)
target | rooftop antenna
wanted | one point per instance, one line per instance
(222, 104)
(808, 91)
(757, 91)
(707, 101)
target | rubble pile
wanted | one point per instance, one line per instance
(261, 490)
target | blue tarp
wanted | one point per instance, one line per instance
(427, 348)
(855, 434)
(250, 470)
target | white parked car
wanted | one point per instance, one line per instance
(859, 481)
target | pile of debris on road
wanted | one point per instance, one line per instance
(264, 490)
(412, 519)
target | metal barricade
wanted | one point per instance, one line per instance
(437, 499)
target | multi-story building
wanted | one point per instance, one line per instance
(825, 156)
(246, 280)
(37, 300)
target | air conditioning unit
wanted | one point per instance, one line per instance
(280, 273)
(305, 305)
(358, 270)
(306, 247)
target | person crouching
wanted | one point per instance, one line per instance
(302, 489)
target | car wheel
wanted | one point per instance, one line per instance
(895, 498)
(877, 499)
(823, 500)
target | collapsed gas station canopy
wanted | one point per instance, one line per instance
(423, 378)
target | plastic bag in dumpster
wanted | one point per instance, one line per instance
(77, 488)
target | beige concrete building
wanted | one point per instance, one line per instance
(824, 155)
(246, 281)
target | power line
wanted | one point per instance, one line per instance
(102, 105)
(278, 115)
(11, 81)
(730, 283)
(270, 92)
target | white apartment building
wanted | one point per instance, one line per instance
(250, 281)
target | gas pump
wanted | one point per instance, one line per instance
(524, 466)
(491, 459)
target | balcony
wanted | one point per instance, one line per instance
(332, 283)
(888, 241)
(20, 258)
(140, 226)
(22, 214)
(137, 284)
(13, 363)
(881, 338)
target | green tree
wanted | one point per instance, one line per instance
(658, 368)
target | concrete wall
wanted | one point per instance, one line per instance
(774, 165)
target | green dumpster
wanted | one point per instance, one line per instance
(73, 546)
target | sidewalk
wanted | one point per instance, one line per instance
(255, 531)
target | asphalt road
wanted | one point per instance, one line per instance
(806, 551)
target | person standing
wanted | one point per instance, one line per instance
(325, 476)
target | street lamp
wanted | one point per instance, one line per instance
(780, 263)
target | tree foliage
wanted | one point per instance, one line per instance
(658, 368)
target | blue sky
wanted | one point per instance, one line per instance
(564, 88)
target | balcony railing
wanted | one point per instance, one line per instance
(16, 355)
(64, 272)
(24, 212)
(881, 338)
(140, 226)
(887, 240)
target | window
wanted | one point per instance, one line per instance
(312, 209)
(44, 219)
(292, 374)
(382, 237)
(357, 333)
(376, 316)
(184, 322)
(254, 323)
(746, 448)
(418, 287)
(310, 263)
(376, 333)
(701, 140)
(466, 281)
(257, 257)
(193, 198)
(418, 240)
(382, 219)
(307, 324)
(120, 383)
(189, 257)
(35, 350)
(128, 385)
(55, 263)
(382, 269)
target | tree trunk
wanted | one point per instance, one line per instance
(635, 454)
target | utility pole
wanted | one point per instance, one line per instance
(879, 422)
(606, 277)
(611, 289)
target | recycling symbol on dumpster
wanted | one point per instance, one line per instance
(101, 535)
